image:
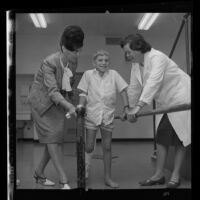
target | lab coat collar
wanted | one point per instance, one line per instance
(137, 73)
(137, 66)
(146, 56)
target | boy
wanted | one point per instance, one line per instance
(98, 92)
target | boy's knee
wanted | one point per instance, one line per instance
(107, 147)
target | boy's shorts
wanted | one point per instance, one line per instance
(90, 125)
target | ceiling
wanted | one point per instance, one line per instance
(107, 24)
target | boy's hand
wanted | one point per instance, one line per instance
(80, 110)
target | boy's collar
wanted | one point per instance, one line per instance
(96, 71)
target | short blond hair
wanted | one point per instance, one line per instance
(100, 53)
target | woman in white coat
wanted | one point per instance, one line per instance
(155, 76)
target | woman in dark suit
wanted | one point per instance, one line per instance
(50, 101)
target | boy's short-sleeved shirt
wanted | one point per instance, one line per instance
(101, 94)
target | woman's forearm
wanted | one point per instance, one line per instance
(141, 104)
(125, 97)
(65, 104)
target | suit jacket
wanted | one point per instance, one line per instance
(165, 82)
(47, 85)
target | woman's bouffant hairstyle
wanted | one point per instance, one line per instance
(72, 38)
(137, 42)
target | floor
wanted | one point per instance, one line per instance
(131, 163)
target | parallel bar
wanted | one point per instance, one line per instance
(80, 150)
(178, 108)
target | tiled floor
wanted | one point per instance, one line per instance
(131, 163)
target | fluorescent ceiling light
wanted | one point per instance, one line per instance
(38, 20)
(147, 20)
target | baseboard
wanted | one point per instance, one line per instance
(99, 140)
(129, 139)
(27, 140)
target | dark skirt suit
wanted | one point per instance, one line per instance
(44, 98)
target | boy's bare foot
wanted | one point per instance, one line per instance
(111, 184)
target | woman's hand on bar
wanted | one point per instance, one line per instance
(132, 114)
(72, 110)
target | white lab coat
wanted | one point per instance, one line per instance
(168, 85)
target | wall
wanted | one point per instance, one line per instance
(165, 45)
(31, 50)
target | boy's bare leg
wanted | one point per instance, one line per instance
(107, 156)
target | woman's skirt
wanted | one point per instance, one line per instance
(50, 126)
(166, 134)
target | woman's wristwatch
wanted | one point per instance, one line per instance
(140, 104)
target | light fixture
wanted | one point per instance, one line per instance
(38, 20)
(147, 20)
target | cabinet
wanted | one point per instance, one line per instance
(24, 124)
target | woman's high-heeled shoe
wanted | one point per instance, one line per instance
(65, 186)
(150, 182)
(173, 184)
(43, 180)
